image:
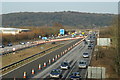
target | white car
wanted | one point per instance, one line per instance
(56, 73)
(85, 55)
(64, 65)
(82, 64)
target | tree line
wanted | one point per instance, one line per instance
(69, 18)
(34, 34)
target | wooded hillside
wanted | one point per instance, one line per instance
(76, 19)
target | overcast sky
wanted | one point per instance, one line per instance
(60, 0)
(93, 6)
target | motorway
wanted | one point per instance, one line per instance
(7, 49)
(73, 56)
(34, 64)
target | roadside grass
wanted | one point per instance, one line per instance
(105, 57)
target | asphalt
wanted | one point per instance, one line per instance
(73, 56)
(18, 73)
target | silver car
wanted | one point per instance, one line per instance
(65, 65)
(85, 55)
(56, 73)
(82, 64)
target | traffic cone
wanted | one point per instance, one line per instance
(61, 54)
(49, 61)
(39, 67)
(44, 64)
(56, 56)
(53, 60)
(33, 71)
(24, 75)
(14, 78)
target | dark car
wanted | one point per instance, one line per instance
(89, 46)
(9, 44)
(53, 43)
(75, 76)
(56, 73)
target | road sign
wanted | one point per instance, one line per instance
(72, 35)
(62, 31)
(44, 38)
(83, 33)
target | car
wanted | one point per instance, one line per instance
(23, 43)
(56, 73)
(28, 42)
(65, 65)
(89, 46)
(2, 46)
(75, 76)
(82, 64)
(9, 44)
(94, 37)
(85, 55)
(47, 40)
(53, 43)
(85, 42)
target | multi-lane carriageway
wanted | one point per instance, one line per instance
(42, 66)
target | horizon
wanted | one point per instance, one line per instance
(60, 12)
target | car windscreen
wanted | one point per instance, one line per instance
(82, 62)
(89, 45)
(55, 71)
(64, 64)
(85, 53)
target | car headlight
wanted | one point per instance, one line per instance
(50, 74)
(57, 75)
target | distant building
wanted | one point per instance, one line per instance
(13, 31)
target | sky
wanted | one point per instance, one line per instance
(60, 0)
(10, 6)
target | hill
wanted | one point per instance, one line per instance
(68, 18)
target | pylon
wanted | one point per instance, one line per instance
(39, 67)
(33, 71)
(61, 54)
(49, 61)
(24, 75)
(53, 60)
(44, 64)
(56, 57)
